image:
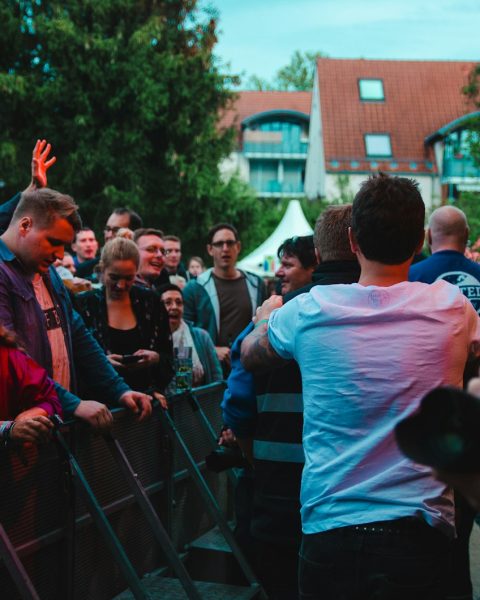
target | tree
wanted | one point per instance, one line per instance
(472, 92)
(296, 76)
(129, 94)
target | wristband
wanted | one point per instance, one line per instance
(6, 429)
(260, 322)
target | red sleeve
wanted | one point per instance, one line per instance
(34, 387)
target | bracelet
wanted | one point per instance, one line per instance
(5, 425)
(260, 322)
(6, 429)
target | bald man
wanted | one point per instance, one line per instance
(447, 236)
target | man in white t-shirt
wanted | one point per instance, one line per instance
(375, 525)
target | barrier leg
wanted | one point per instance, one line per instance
(212, 434)
(16, 568)
(211, 504)
(152, 517)
(101, 521)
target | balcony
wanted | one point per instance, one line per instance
(459, 168)
(275, 140)
(273, 187)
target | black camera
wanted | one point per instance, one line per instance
(443, 434)
(225, 457)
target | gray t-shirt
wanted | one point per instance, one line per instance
(235, 308)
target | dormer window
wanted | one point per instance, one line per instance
(371, 90)
(377, 145)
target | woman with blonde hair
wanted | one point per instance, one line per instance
(129, 321)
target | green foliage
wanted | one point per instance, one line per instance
(128, 93)
(469, 202)
(296, 76)
(472, 91)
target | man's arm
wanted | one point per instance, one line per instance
(257, 353)
(6, 211)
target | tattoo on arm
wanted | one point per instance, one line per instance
(257, 352)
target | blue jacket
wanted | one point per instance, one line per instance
(202, 307)
(239, 403)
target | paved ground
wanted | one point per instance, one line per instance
(475, 561)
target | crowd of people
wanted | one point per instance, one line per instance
(317, 376)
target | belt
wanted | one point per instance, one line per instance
(392, 527)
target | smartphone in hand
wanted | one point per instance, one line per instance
(130, 359)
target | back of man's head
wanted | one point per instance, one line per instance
(448, 229)
(44, 206)
(388, 216)
(331, 234)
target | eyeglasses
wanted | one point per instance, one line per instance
(154, 250)
(222, 243)
(112, 229)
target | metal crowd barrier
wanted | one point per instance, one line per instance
(64, 552)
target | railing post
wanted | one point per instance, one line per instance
(16, 568)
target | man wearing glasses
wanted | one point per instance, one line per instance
(151, 245)
(119, 219)
(223, 299)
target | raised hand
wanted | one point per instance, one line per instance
(40, 164)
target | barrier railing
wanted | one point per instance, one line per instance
(51, 525)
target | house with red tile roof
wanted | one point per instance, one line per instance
(407, 118)
(272, 130)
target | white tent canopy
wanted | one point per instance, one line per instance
(263, 261)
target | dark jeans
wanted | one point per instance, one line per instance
(403, 559)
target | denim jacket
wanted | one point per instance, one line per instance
(21, 313)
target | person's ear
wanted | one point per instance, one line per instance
(210, 249)
(353, 242)
(317, 255)
(239, 245)
(429, 237)
(25, 225)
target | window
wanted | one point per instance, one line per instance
(371, 90)
(378, 144)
